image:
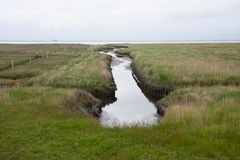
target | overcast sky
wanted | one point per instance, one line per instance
(115, 20)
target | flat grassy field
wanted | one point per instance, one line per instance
(22, 53)
(72, 66)
(42, 120)
(177, 65)
(35, 124)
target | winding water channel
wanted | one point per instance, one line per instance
(132, 107)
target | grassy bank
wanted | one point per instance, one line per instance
(68, 66)
(176, 65)
(35, 124)
(46, 116)
(20, 54)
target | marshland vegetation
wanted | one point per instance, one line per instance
(69, 66)
(38, 121)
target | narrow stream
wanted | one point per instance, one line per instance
(131, 107)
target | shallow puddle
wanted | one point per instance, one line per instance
(131, 107)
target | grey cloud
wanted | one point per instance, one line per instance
(119, 19)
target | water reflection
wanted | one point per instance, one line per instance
(131, 107)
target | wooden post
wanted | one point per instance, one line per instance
(12, 64)
(47, 54)
(30, 60)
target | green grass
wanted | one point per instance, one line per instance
(7, 58)
(88, 71)
(45, 116)
(35, 124)
(21, 54)
(177, 65)
(73, 66)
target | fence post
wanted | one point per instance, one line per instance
(12, 64)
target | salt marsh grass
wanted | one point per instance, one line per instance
(37, 120)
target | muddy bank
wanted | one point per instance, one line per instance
(88, 103)
(79, 100)
(8, 83)
(132, 106)
(106, 95)
(91, 101)
(154, 93)
(94, 100)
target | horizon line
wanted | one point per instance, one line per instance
(115, 42)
